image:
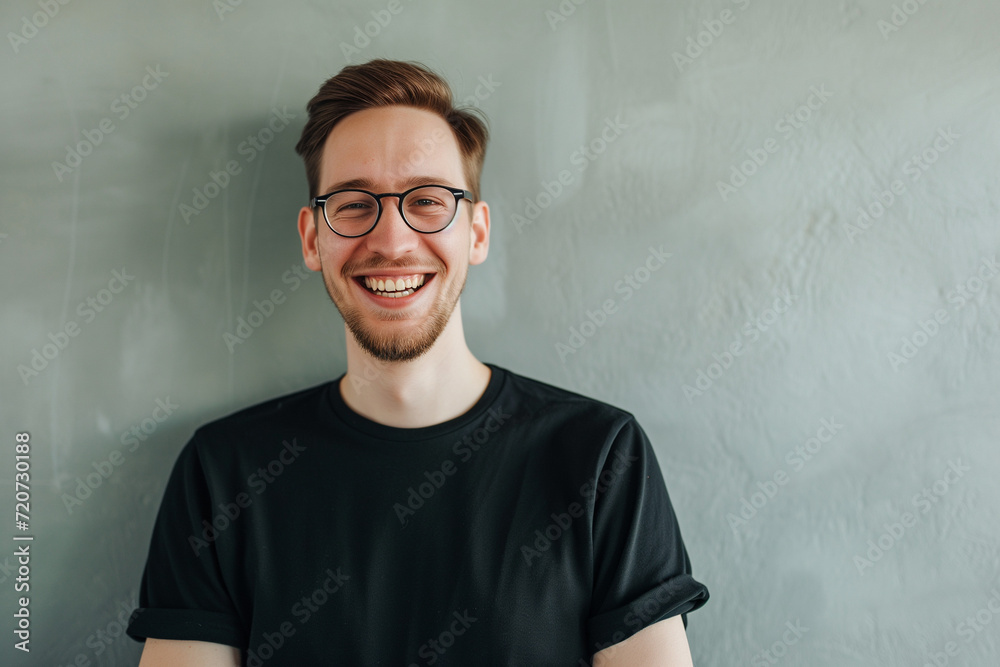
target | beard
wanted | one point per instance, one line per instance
(390, 347)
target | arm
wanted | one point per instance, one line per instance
(663, 643)
(178, 653)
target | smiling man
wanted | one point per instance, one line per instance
(424, 508)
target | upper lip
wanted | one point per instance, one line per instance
(397, 272)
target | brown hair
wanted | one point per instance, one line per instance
(379, 83)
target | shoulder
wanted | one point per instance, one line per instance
(278, 418)
(542, 396)
(570, 412)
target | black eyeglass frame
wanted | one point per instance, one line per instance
(460, 194)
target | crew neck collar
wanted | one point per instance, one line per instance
(382, 432)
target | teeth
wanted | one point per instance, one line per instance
(394, 288)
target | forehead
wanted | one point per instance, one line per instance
(389, 146)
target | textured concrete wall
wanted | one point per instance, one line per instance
(820, 385)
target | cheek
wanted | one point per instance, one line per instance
(453, 246)
(333, 254)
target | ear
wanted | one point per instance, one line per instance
(308, 232)
(479, 239)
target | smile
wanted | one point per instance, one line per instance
(392, 287)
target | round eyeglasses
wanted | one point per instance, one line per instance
(426, 209)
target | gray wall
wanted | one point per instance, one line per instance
(853, 296)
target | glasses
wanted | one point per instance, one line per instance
(427, 209)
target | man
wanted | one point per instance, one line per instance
(424, 508)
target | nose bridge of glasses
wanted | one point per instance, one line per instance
(384, 206)
(398, 196)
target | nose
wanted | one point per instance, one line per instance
(392, 237)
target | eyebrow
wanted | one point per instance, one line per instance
(369, 184)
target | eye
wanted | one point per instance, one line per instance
(351, 205)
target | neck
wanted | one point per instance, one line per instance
(442, 384)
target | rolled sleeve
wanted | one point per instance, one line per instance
(183, 593)
(642, 573)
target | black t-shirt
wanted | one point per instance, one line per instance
(535, 529)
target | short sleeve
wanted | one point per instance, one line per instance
(642, 573)
(182, 594)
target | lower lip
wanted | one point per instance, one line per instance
(394, 301)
